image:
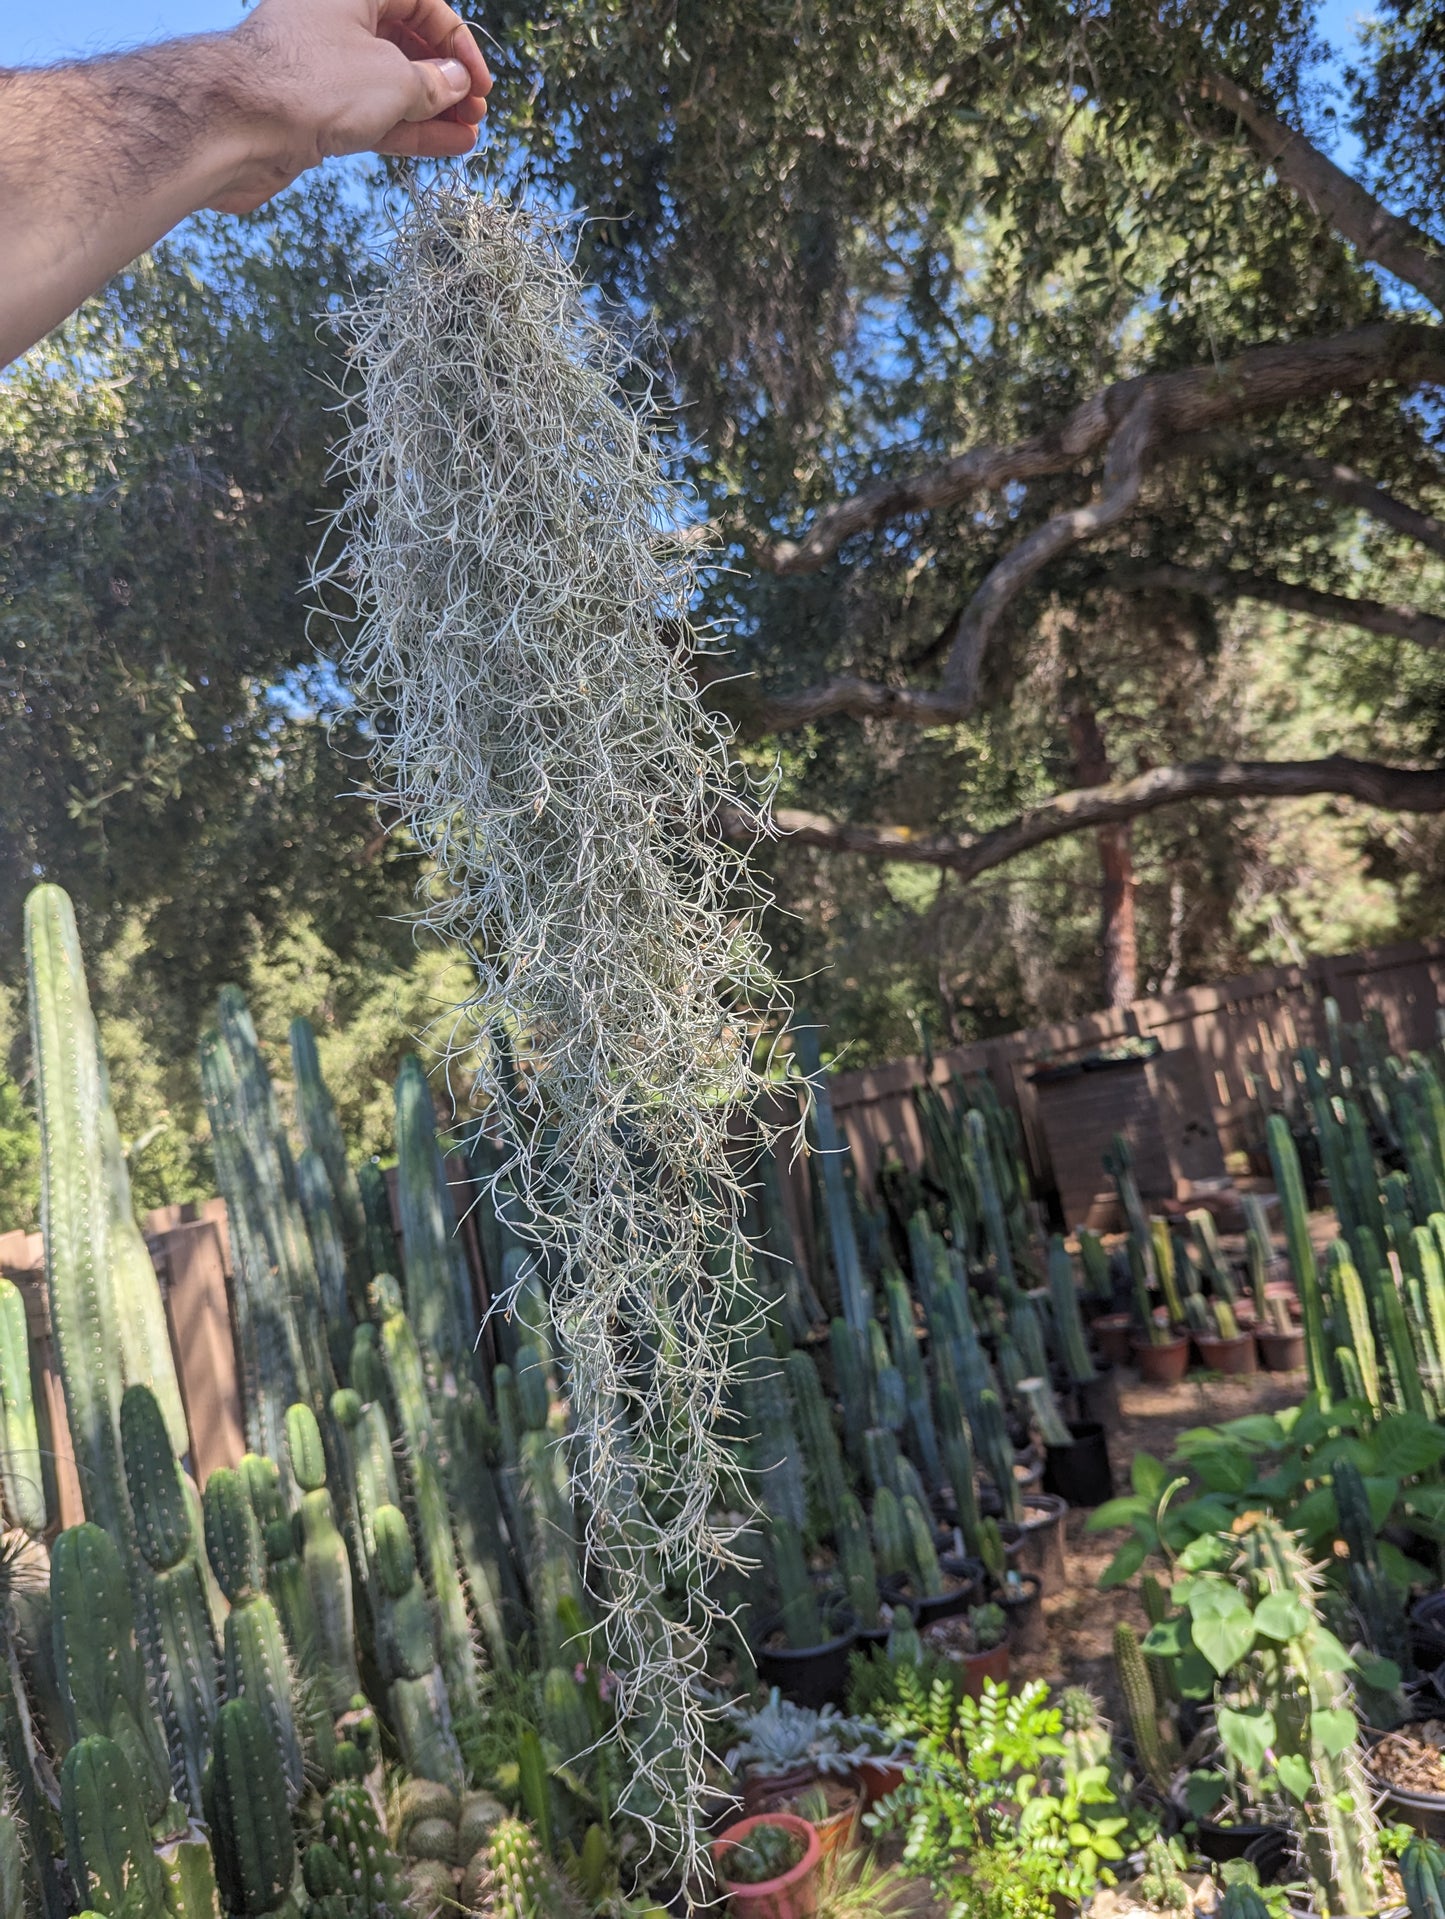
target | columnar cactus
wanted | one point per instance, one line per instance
(854, 1386)
(915, 1381)
(107, 1834)
(519, 1884)
(75, 1207)
(102, 1676)
(1068, 1320)
(890, 1535)
(407, 1653)
(321, 1130)
(256, 1663)
(251, 1835)
(802, 1620)
(1290, 1186)
(190, 1689)
(856, 1563)
(324, 1560)
(1155, 1751)
(439, 1300)
(923, 1564)
(829, 1160)
(189, 1871)
(772, 1439)
(380, 1226)
(371, 1873)
(1422, 1872)
(1352, 1316)
(826, 1477)
(995, 1452)
(22, 1478)
(328, 1249)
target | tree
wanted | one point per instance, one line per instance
(1043, 341)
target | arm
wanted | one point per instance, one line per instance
(99, 159)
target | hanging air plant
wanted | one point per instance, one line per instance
(523, 579)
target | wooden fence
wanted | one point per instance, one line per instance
(1195, 1096)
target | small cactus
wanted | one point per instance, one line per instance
(251, 1835)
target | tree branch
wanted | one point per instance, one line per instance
(1372, 230)
(1395, 788)
(1228, 583)
(1352, 488)
(1193, 400)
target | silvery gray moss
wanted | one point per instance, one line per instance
(523, 577)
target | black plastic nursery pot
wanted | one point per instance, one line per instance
(1037, 1544)
(1097, 1400)
(1425, 1811)
(816, 1676)
(1274, 1858)
(1220, 1843)
(927, 1610)
(1427, 1631)
(1080, 1474)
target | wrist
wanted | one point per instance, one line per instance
(259, 138)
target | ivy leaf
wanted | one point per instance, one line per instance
(1194, 1676)
(1247, 1736)
(1294, 1776)
(1334, 1727)
(1168, 1639)
(1203, 1792)
(1205, 1554)
(1281, 1615)
(1381, 1674)
(1223, 1625)
(1326, 1654)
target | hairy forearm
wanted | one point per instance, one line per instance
(98, 160)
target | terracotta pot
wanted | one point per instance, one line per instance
(1281, 1352)
(793, 1894)
(1114, 1338)
(978, 1666)
(763, 1789)
(1162, 1365)
(876, 1778)
(1231, 1356)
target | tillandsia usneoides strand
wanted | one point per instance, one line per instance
(523, 579)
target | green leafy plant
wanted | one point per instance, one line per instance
(993, 1809)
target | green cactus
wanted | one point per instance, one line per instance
(1161, 1246)
(19, 1890)
(1242, 1900)
(509, 1414)
(518, 1884)
(915, 1382)
(995, 1452)
(190, 1690)
(435, 1538)
(476, 1507)
(1155, 1748)
(22, 1475)
(1068, 1320)
(802, 1618)
(251, 1836)
(321, 1130)
(1290, 1186)
(854, 1387)
(923, 1567)
(1379, 1604)
(439, 1300)
(371, 1874)
(324, 1560)
(1098, 1280)
(771, 1438)
(107, 1834)
(380, 1227)
(856, 1564)
(1084, 1735)
(826, 1477)
(904, 1647)
(1161, 1667)
(256, 1663)
(407, 1653)
(328, 1250)
(285, 1577)
(890, 1536)
(1353, 1312)
(831, 1155)
(189, 1871)
(75, 1203)
(979, 1153)
(1038, 1396)
(959, 1462)
(102, 1676)
(534, 1398)
(881, 1458)
(1422, 1872)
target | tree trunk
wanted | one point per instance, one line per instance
(1118, 944)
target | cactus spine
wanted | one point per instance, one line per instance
(370, 1871)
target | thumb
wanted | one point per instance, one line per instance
(436, 85)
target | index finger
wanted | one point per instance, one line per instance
(444, 34)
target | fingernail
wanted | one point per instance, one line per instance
(455, 75)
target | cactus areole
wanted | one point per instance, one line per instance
(518, 574)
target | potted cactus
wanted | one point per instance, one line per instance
(803, 1648)
(1224, 1347)
(769, 1867)
(783, 1748)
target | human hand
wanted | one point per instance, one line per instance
(310, 79)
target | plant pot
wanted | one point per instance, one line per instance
(1281, 1352)
(1097, 1400)
(1114, 1338)
(876, 1778)
(932, 1607)
(1427, 1631)
(1162, 1365)
(1216, 1841)
(759, 1790)
(978, 1666)
(1408, 1805)
(793, 1894)
(1028, 1634)
(1037, 1545)
(816, 1676)
(1230, 1356)
(1080, 1474)
(1274, 1858)
(838, 1830)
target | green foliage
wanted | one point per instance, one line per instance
(767, 1852)
(19, 1161)
(1063, 1827)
